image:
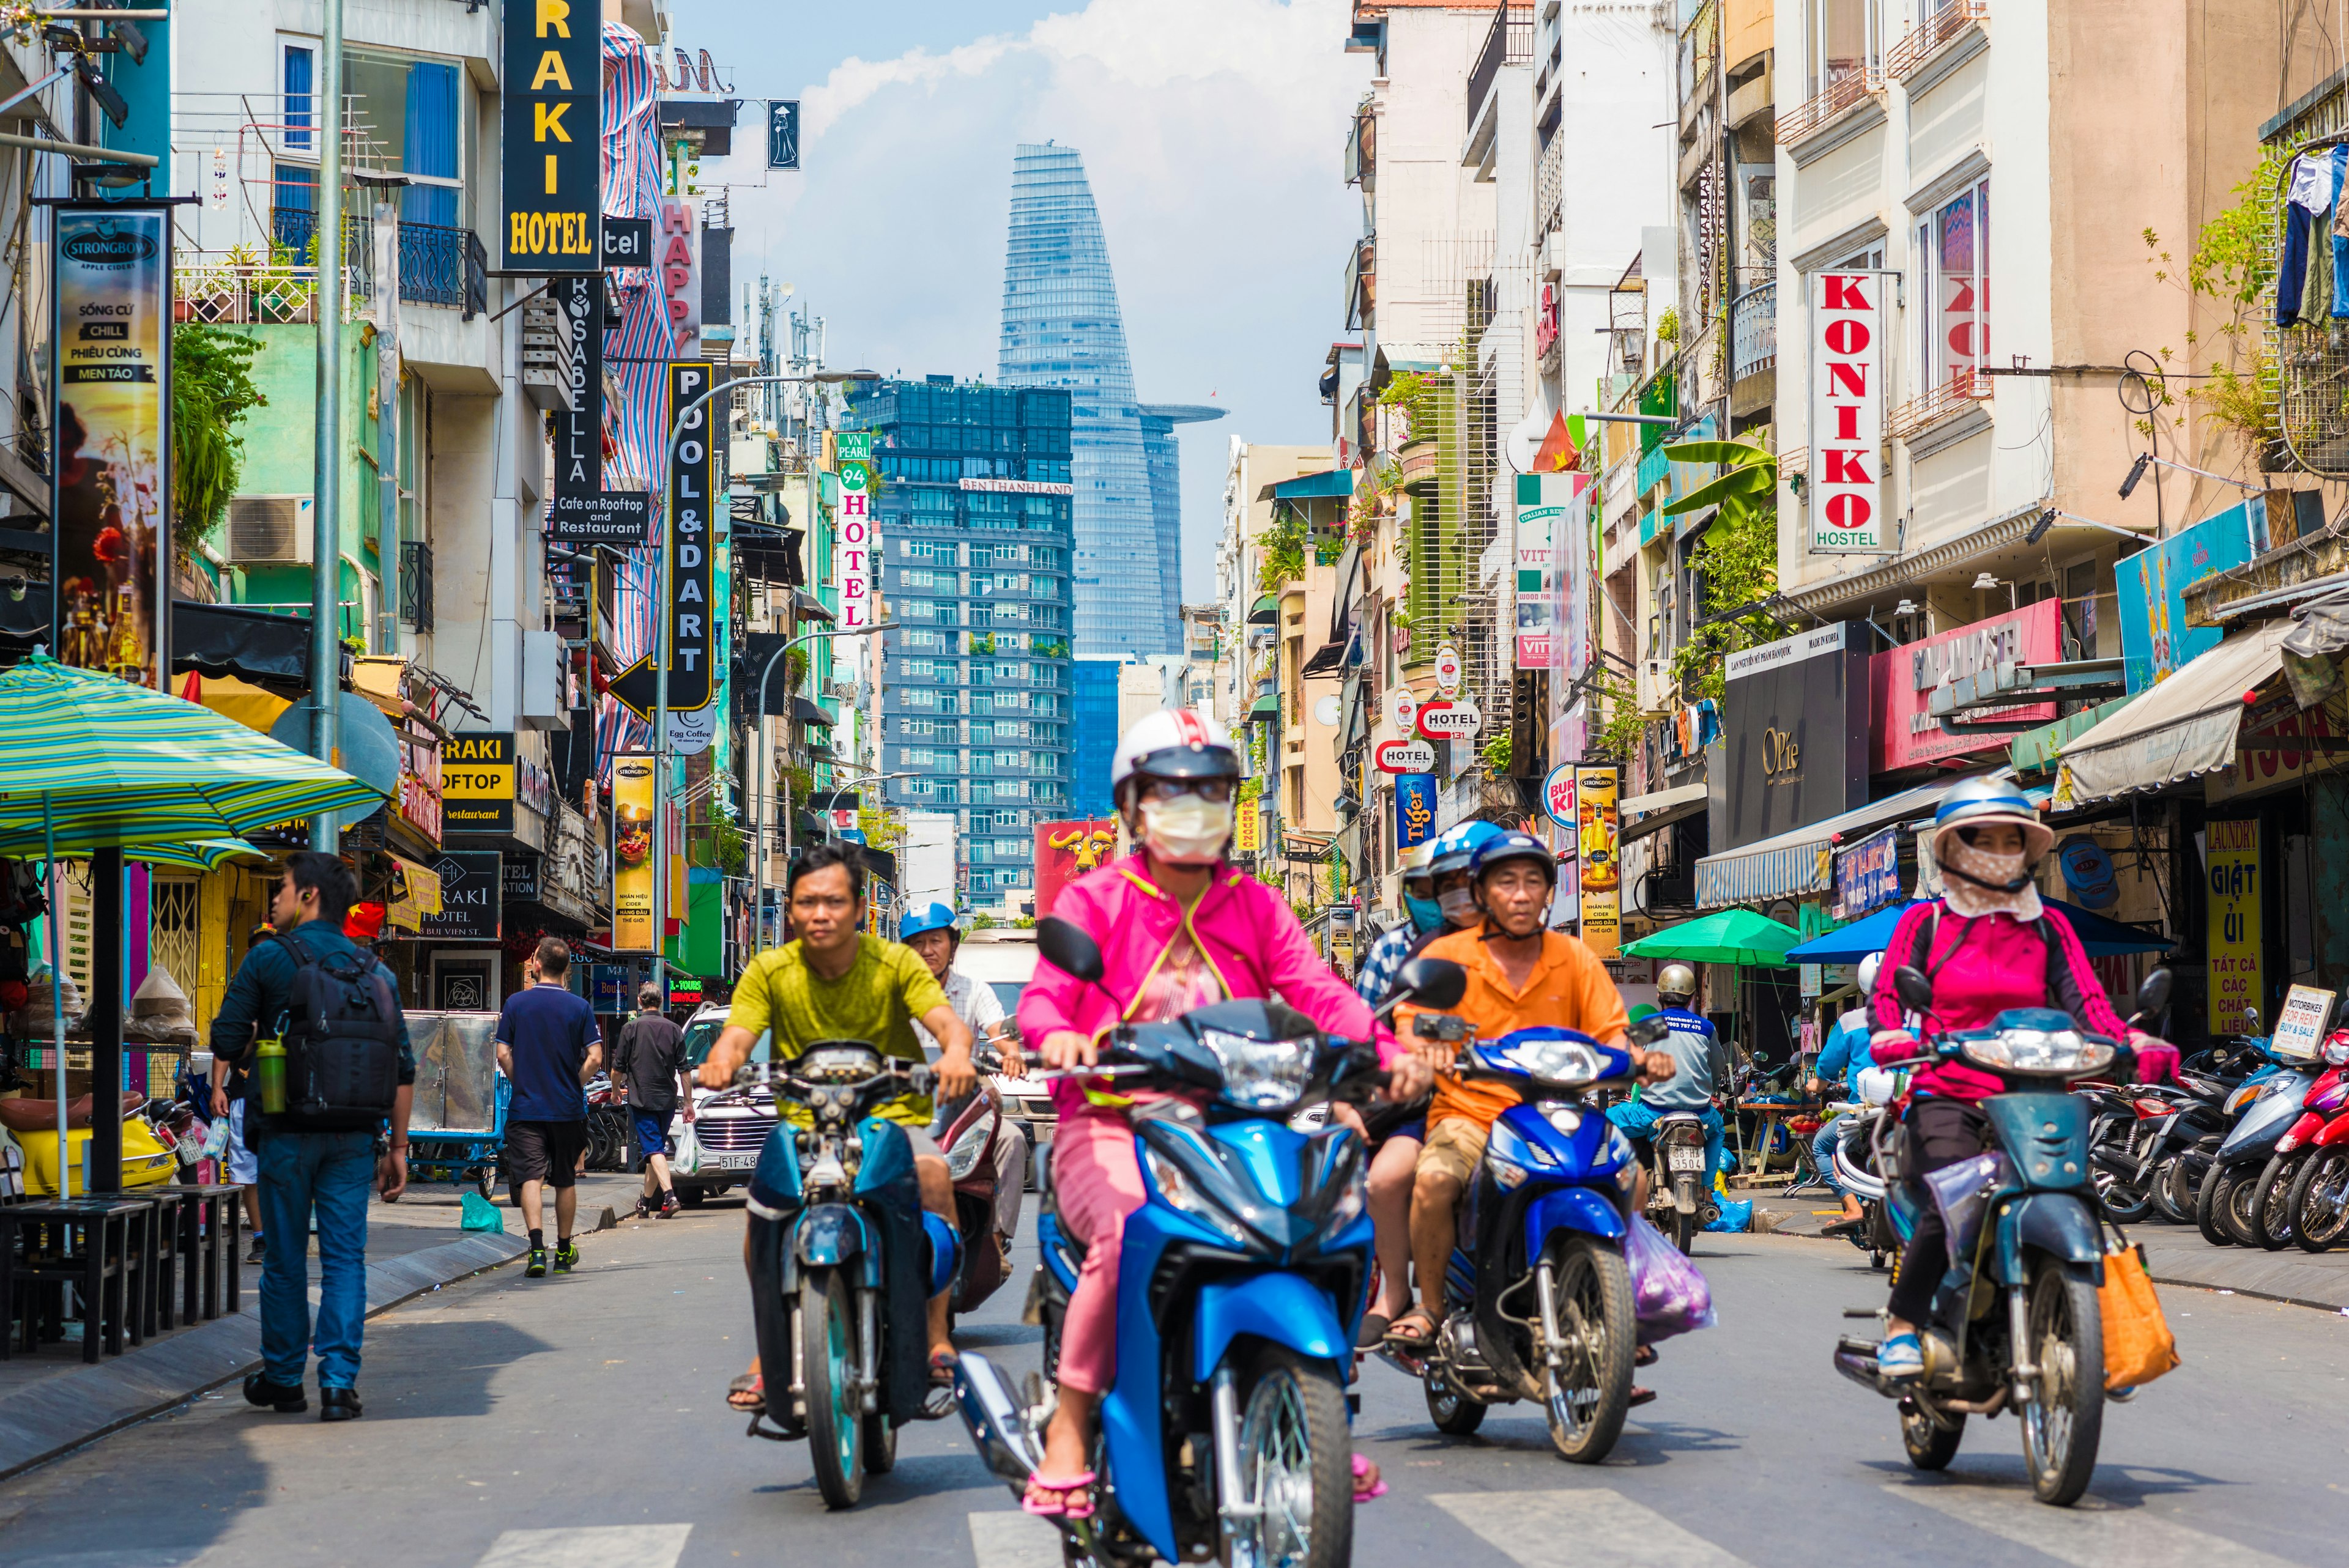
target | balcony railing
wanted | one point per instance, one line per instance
(1753, 332)
(1837, 96)
(1919, 414)
(437, 265)
(233, 289)
(1901, 62)
(1510, 42)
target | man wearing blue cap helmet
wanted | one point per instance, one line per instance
(930, 930)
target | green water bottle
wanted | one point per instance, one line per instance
(270, 1068)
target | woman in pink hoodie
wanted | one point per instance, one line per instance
(1178, 929)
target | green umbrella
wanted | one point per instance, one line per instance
(1730, 936)
(201, 855)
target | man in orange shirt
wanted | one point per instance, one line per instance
(1519, 976)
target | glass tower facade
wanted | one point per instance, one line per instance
(1061, 327)
(976, 551)
(1095, 689)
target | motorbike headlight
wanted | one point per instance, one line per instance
(1566, 1118)
(1181, 1194)
(2049, 1052)
(1507, 1172)
(1262, 1075)
(962, 1158)
(1556, 1061)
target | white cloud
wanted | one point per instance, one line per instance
(1211, 130)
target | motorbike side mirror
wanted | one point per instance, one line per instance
(2152, 996)
(1429, 982)
(1070, 949)
(1648, 1031)
(1914, 987)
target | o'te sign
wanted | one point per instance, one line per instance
(551, 131)
(1850, 322)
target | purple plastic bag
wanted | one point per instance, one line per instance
(1669, 1294)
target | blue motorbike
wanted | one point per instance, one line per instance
(1538, 1301)
(844, 1260)
(2016, 1319)
(1242, 1282)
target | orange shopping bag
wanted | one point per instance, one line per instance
(2138, 1345)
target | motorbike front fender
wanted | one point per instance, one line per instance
(2336, 1132)
(830, 1234)
(2059, 1224)
(1581, 1209)
(1285, 1308)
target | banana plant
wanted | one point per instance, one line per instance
(1746, 486)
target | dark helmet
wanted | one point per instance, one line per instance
(1512, 846)
(1458, 844)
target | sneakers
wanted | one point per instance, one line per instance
(644, 1210)
(258, 1251)
(566, 1256)
(536, 1268)
(1901, 1356)
(669, 1206)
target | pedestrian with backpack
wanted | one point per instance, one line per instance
(316, 1025)
(549, 1046)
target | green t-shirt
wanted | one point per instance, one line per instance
(876, 1000)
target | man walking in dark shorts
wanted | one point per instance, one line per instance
(548, 1048)
(648, 1067)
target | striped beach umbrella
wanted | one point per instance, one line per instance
(197, 855)
(88, 762)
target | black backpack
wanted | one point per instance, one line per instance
(342, 1024)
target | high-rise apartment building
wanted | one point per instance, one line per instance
(975, 551)
(1061, 327)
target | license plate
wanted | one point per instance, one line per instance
(743, 1161)
(1686, 1156)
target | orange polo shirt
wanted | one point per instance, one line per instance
(1568, 989)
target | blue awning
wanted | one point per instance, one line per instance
(2101, 938)
(1316, 487)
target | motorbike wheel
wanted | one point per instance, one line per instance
(2126, 1204)
(835, 1422)
(1684, 1230)
(2207, 1205)
(1931, 1446)
(1456, 1415)
(2271, 1207)
(880, 1445)
(2172, 1194)
(2236, 1207)
(2064, 1415)
(2320, 1200)
(1296, 1467)
(1587, 1397)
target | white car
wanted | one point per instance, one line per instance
(730, 1126)
(1005, 958)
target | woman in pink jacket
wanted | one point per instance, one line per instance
(1177, 929)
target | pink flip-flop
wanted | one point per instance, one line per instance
(1074, 1501)
(1362, 1469)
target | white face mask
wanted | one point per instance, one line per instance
(1186, 831)
(1459, 905)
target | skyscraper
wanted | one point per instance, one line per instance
(1061, 328)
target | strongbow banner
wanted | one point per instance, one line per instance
(632, 852)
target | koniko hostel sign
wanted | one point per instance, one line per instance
(632, 852)
(2230, 861)
(1848, 325)
(110, 487)
(859, 546)
(1902, 682)
(551, 131)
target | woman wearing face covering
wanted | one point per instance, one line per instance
(1178, 928)
(1988, 943)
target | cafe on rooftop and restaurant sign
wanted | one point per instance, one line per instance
(551, 131)
(1794, 746)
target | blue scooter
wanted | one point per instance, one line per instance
(1538, 1300)
(1240, 1286)
(2016, 1318)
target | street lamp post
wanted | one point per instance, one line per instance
(681, 420)
(759, 865)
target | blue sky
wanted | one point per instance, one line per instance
(1212, 131)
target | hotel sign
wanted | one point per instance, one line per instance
(551, 129)
(1849, 325)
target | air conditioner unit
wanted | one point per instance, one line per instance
(270, 531)
(1655, 684)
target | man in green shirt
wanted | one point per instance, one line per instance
(836, 982)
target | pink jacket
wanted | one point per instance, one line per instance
(1980, 968)
(1243, 928)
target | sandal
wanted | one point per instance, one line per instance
(1639, 1396)
(1417, 1343)
(755, 1385)
(942, 1369)
(1374, 1332)
(1364, 1471)
(1047, 1497)
(1645, 1356)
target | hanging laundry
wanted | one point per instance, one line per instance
(2314, 192)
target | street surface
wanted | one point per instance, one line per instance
(514, 1423)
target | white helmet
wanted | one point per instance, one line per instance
(1867, 971)
(1676, 980)
(1174, 743)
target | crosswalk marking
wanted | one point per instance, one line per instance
(601, 1546)
(1013, 1539)
(2090, 1534)
(1573, 1529)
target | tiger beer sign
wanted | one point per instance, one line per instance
(1850, 326)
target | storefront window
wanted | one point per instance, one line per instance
(1953, 243)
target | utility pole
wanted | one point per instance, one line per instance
(327, 535)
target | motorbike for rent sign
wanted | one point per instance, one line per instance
(1848, 325)
(2231, 862)
(110, 485)
(2301, 1022)
(551, 135)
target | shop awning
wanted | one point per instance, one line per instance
(1322, 486)
(2182, 728)
(1263, 612)
(256, 645)
(809, 607)
(1264, 707)
(1656, 799)
(1803, 860)
(2100, 937)
(807, 712)
(1656, 821)
(2038, 750)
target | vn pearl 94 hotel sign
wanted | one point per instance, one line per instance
(1849, 327)
(551, 127)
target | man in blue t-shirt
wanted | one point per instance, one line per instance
(1702, 1073)
(548, 1048)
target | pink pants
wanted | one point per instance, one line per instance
(1097, 1183)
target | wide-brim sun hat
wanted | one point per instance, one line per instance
(1987, 802)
